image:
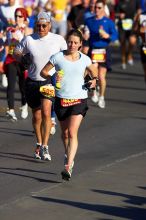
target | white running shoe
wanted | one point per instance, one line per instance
(44, 153)
(101, 102)
(11, 114)
(4, 81)
(124, 66)
(53, 129)
(37, 152)
(24, 111)
(131, 62)
(94, 97)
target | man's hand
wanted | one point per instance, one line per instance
(26, 61)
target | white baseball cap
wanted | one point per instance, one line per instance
(44, 17)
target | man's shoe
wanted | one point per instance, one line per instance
(37, 152)
(124, 66)
(53, 129)
(130, 62)
(44, 153)
(11, 114)
(4, 81)
(101, 102)
(94, 97)
(24, 111)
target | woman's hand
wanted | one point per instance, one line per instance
(92, 83)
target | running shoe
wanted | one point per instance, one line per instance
(37, 152)
(124, 66)
(101, 102)
(24, 111)
(44, 153)
(53, 129)
(11, 114)
(66, 173)
(130, 62)
(94, 97)
(4, 81)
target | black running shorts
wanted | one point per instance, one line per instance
(65, 112)
(32, 92)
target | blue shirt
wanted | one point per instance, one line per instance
(143, 5)
(108, 25)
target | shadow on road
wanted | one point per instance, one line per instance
(127, 212)
(14, 172)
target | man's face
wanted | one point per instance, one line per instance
(99, 9)
(43, 28)
(11, 2)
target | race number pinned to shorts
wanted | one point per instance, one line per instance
(47, 91)
(144, 50)
(127, 24)
(70, 102)
(98, 55)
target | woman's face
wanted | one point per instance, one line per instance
(73, 43)
(19, 18)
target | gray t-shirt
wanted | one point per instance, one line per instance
(73, 78)
(40, 49)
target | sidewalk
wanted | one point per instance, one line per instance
(116, 191)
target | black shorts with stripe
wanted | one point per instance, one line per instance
(65, 112)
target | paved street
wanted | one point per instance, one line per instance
(109, 178)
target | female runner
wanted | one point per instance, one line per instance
(71, 95)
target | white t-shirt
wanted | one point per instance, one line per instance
(40, 49)
(72, 83)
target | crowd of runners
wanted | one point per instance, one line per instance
(60, 51)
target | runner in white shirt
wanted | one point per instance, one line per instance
(39, 47)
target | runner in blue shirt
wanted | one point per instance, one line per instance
(102, 32)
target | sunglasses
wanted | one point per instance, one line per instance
(99, 7)
(19, 16)
(42, 25)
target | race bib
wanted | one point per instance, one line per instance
(47, 91)
(144, 50)
(59, 15)
(142, 20)
(98, 55)
(70, 102)
(127, 24)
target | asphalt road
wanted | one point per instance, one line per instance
(109, 178)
